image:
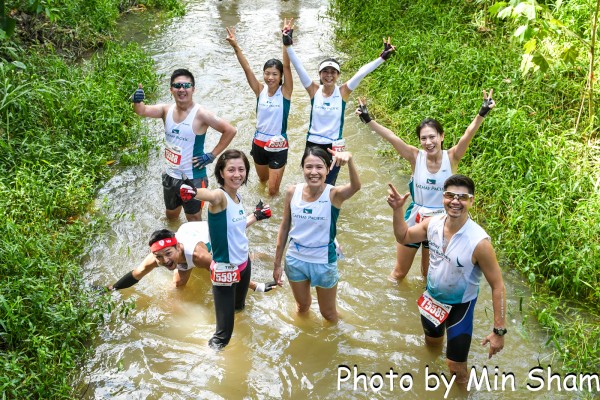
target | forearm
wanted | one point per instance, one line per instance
(304, 77)
(282, 238)
(354, 178)
(399, 225)
(250, 220)
(362, 72)
(126, 281)
(499, 306)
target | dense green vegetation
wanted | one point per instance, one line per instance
(63, 123)
(537, 177)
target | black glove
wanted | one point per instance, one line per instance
(485, 107)
(364, 113)
(287, 37)
(388, 49)
(138, 96)
(262, 212)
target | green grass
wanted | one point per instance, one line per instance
(537, 182)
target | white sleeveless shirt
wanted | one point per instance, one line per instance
(452, 276)
(326, 117)
(190, 234)
(271, 115)
(181, 144)
(313, 228)
(426, 188)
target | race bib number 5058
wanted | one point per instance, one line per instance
(224, 274)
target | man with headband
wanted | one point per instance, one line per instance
(180, 252)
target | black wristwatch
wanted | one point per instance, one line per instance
(500, 331)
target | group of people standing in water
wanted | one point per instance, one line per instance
(306, 247)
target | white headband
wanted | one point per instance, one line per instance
(326, 64)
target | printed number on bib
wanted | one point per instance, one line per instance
(425, 212)
(172, 156)
(339, 145)
(224, 274)
(432, 309)
(278, 143)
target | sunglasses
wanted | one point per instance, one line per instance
(459, 196)
(179, 85)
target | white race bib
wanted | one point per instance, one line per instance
(425, 212)
(224, 274)
(338, 145)
(432, 309)
(172, 155)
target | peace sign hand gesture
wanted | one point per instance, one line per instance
(231, 36)
(287, 31)
(488, 103)
(395, 199)
(388, 49)
(362, 111)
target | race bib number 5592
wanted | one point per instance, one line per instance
(224, 274)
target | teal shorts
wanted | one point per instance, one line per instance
(322, 275)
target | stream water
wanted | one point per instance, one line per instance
(159, 351)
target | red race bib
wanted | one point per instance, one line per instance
(432, 309)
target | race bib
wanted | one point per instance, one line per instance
(432, 309)
(172, 155)
(224, 274)
(278, 143)
(338, 145)
(425, 212)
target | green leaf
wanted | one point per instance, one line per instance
(505, 13)
(19, 65)
(495, 9)
(525, 9)
(541, 62)
(520, 31)
(569, 55)
(530, 46)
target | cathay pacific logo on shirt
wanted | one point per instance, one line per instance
(431, 181)
(425, 187)
(306, 211)
(458, 264)
(241, 212)
(175, 131)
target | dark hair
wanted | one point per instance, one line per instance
(460, 180)
(317, 152)
(431, 123)
(273, 62)
(159, 235)
(222, 161)
(182, 72)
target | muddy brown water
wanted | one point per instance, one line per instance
(159, 351)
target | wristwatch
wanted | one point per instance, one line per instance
(500, 331)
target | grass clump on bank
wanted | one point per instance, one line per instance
(538, 181)
(63, 124)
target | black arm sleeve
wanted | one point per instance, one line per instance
(126, 281)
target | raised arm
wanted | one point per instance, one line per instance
(287, 31)
(255, 85)
(341, 193)
(143, 110)
(402, 232)
(288, 80)
(485, 257)
(282, 235)
(405, 150)
(458, 151)
(353, 83)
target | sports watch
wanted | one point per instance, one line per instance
(500, 331)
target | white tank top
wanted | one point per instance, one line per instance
(326, 117)
(426, 188)
(452, 277)
(190, 234)
(181, 144)
(313, 228)
(228, 233)
(271, 115)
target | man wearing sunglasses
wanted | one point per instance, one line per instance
(460, 252)
(186, 124)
